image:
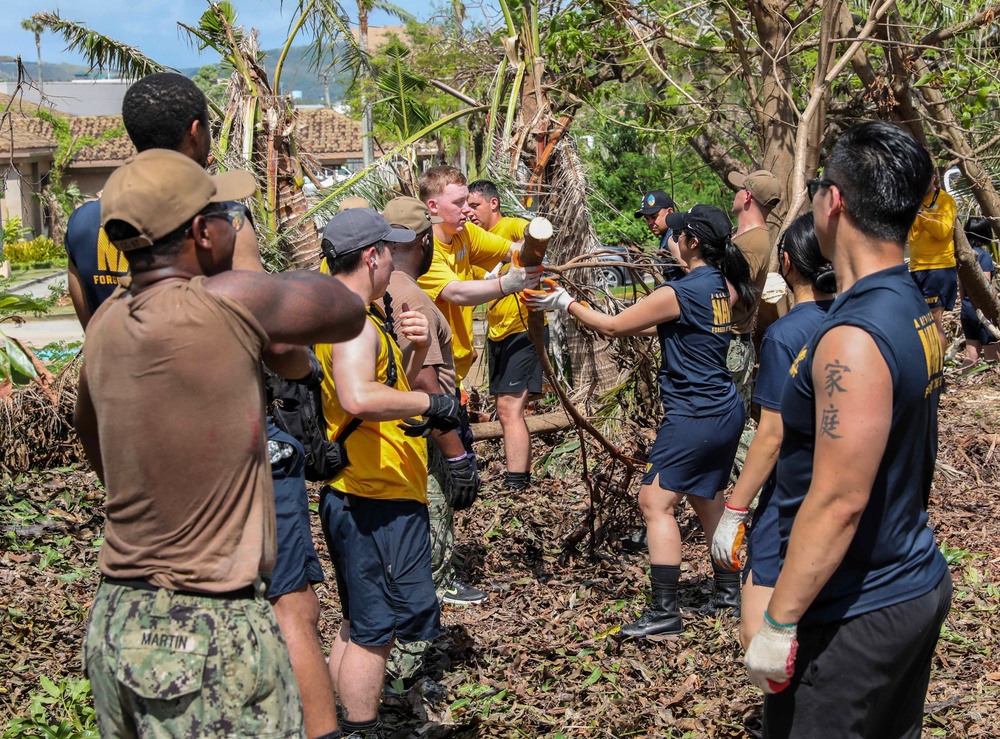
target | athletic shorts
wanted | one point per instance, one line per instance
(514, 364)
(972, 328)
(864, 676)
(938, 286)
(381, 551)
(763, 545)
(296, 561)
(162, 663)
(693, 455)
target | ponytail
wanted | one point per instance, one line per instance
(726, 257)
(736, 269)
(801, 245)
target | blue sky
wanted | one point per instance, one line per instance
(151, 25)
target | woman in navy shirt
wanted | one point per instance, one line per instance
(703, 414)
(810, 277)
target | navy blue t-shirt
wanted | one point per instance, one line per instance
(779, 347)
(781, 344)
(986, 265)
(669, 267)
(694, 379)
(892, 557)
(97, 260)
(99, 263)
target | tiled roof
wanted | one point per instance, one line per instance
(325, 133)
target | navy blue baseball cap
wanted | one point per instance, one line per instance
(704, 221)
(653, 202)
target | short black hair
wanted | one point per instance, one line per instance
(158, 110)
(978, 231)
(345, 264)
(485, 188)
(883, 174)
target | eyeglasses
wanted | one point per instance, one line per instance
(235, 215)
(813, 186)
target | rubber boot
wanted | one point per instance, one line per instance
(725, 591)
(662, 616)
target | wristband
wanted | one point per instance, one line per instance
(738, 510)
(767, 617)
(458, 459)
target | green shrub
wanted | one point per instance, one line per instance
(14, 231)
(40, 250)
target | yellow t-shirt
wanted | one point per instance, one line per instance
(932, 236)
(385, 463)
(508, 315)
(471, 248)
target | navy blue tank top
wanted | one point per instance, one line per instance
(99, 263)
(892, 557)
(694, 379)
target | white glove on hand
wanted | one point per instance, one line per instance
(729, 537)
(770, 660)
(550, 297)
(518, 278)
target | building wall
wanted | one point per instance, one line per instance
(19, 196)
(79, 97)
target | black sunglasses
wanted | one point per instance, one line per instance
(813, 186)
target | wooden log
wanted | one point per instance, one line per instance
(540, 423)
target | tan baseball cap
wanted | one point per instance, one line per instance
(353, 202)
(159, 190)
(409, 213)
(763, 185)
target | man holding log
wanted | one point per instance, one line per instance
(464, 253)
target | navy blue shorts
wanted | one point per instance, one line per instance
(694, 455)
(381, 551)
(972, 328)
(938, 286)
(296, 561)
(514, 364)
(763, 544)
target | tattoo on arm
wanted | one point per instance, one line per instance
(835, 372)
(830, 422)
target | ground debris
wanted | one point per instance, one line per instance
(541, 657)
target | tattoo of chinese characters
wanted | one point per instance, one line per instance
(830, 422)
(835, 372)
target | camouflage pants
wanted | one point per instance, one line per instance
(163, 664)
(740, 360)
(406, 660)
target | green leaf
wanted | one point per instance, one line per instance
(593, 678)
(50, 687)
(21, 367)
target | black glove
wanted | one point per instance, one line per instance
(315, 377)
(465, 482)
(442, 415)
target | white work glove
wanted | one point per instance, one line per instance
(550, 297)
(729, 537)
(518, 278)
(770, 660)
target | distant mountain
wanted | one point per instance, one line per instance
(296, 75)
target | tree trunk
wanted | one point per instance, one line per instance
(974, 282)
(38, 48)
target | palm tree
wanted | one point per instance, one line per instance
(367, 116)
(33, 26)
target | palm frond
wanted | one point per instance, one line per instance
(100, 52)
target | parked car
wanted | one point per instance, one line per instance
(612, 276)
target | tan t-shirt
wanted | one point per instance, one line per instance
(756, 247)
(404, 289)
(175, 377)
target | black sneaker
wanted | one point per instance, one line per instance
(457, 593)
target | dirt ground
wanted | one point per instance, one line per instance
(539, 658)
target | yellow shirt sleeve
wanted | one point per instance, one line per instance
(486, 249)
